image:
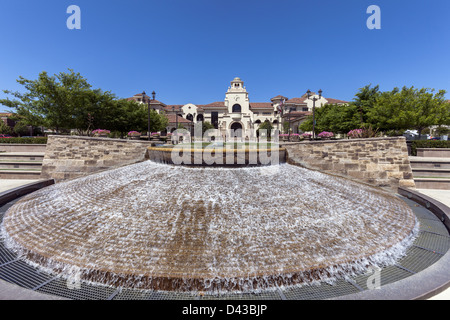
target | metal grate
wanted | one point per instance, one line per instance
(418, 259)
(59, 287)
(6, 256)
(432, 242)
(320, 292)
(24, 275)
(268, 295)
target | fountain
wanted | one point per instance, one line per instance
(163, 227)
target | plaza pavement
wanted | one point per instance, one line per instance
(12, 292)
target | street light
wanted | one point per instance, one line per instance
(148, 106)
(314, 99)
(176, 119)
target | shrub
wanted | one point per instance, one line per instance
(428, 144)
(101, 131)
(37, 140)
(134, 134)
(326, 134)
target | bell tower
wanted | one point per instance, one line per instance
(236, 98)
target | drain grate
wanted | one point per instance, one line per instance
(59, 287)
(320, 292)
(432, 242)
(22, 274)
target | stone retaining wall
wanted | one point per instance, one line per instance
(69, 157)
(381, 162)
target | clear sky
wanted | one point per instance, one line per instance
(188, 51)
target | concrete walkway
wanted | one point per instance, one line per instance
(7, 184)
(442, 196)
(10, 291)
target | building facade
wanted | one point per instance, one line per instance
(236, 111)
(6, 118)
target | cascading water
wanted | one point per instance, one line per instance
(155, 226)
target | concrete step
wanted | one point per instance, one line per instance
(16, 156)
(432, 183)
(431, 173)
(434, 163)
(20, 174)
(20, 165)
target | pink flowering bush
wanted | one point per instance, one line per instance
(356, 133)
(134, 134)
(306, 135)
(326, 135)
(101, 131)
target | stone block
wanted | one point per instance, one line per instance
(407, 183)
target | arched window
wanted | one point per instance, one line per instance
(200, 118)
(190, 117)
(237, 108)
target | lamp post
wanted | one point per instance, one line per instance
(176, 120)
(314, 99)
(148, 116)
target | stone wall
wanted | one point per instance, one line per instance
(381, 162)
(69, 157)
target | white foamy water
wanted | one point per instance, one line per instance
(156, 226)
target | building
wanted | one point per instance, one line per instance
(236, 111)
(6, 118)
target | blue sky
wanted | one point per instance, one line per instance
(189, 50)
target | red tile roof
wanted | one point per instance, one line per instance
(172, 119)
(279, 97)
(296, 101)
(261, 105)
(214, 105)
(333, 101)
(297, 114)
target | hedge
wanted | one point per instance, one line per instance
(428, 144)
(37, 140)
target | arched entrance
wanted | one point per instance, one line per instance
(236, 128)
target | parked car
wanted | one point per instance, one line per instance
(5, 136)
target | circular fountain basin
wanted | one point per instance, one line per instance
(160, 227)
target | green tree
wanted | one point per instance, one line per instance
(409, 108)
(47, 100)
(63, 101)
(4, 128)
(206, 125)
(363, 103)
(22, 129)
(125, 116)
(333, 118)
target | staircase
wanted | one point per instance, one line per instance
(15, 165)
(431, 173)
